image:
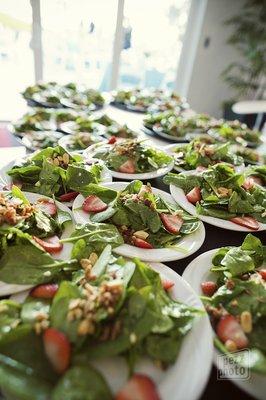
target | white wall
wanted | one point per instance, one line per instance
(207, 90)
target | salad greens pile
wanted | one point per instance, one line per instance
(223, 193)
(54, 171)
(23, 259)
(108, 307)
(240, 134)
(258, 174)
(177, 124)
(250, 156)
(131, 156)
(237, 306)
(148, 100)
(51, 94)
(143, 218)
(200, 153)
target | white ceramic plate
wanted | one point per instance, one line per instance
(197, 272)
(65, 142)
(191, 370)
(164, 135)
(90, 151)
(188, 244)
(69, 127)
(64, 254)
(180, 197)
(170, 149)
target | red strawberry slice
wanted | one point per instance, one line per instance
(68, 196)
(194, 195)
(262, 272)
(247, 222)
(57, 348)
(167, 284)
(128, 167)
(172, 223)
(249, 183)
(208, 288)
(112, 140)
(141, 243)
(228, 328)
(47, 206)
(46, 291)
(139, 387)
(93, 204)
(200, 168)
(51, 245)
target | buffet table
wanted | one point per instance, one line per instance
(215, 237)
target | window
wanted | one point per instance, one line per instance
(16, 57)
(78, 40)
(152, 42)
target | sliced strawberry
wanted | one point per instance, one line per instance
(262, 272)
(139, 387)
(46, 291)
(93, 204)
(47, 206)
(51, 245)
(112, 140)
(167, 284)
(247, 222)
(200, 168)
(57, 348)
(141, 243)
(68, 196)
(194, 195)
(208, 288)
(172, 223)
(228, 328)
(128, 167)
(249, 183)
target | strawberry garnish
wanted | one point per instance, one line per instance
(51, 245)
(228, 328)
(57, 349)
(94, 204)
(141, 243)
(208, 288)
(68, 196)
(249, 183)
(128, 167)
(47, 206)
(46, 291)
(139, 387)
(112, 140)
(194, 195)
(172, 223)
(167, 284)
(247, 222)
(262, 273)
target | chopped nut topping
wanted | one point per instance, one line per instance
(13, 210)
(246, 321)
(230, 345)
(224, 192)
(141, 234)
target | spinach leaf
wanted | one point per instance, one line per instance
(105, 194)
(82, 382)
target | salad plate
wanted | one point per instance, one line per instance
(131, 159)
(187, 193)
(79, 141)
(93, 359)
(202, 274)
(164, 248)
(48, 173)
(202, 152)
(45, 205)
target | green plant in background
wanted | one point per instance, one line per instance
(248, 77)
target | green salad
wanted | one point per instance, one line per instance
(107, 307)
(36, 120)
(28, 232)
(250, 156)
(199, 153)
(236, 302)
(223, 193)
(81, 140)
(131, 156)
(238, 133)
(52, 94)
(143, 218)
(177, 124)
(54, 171)
(257, 174)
